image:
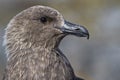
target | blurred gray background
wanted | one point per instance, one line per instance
(95, 59)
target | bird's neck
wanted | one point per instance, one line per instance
(26, 63)
(29, 56)
(26, 47)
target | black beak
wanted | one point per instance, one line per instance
(74, 29)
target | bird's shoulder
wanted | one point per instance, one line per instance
(64, 64)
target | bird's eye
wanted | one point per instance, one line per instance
(43, 19)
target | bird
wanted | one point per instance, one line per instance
(31, 41)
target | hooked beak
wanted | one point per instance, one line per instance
(74, 29)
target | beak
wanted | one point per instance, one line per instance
(74, 29)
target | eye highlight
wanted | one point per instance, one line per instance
(43, 19)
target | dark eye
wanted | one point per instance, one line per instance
(43, 19)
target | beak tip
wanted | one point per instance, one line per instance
(85, 32)
(88, 36)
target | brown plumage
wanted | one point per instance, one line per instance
(32, 38)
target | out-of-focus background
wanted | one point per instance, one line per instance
(95, 59)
